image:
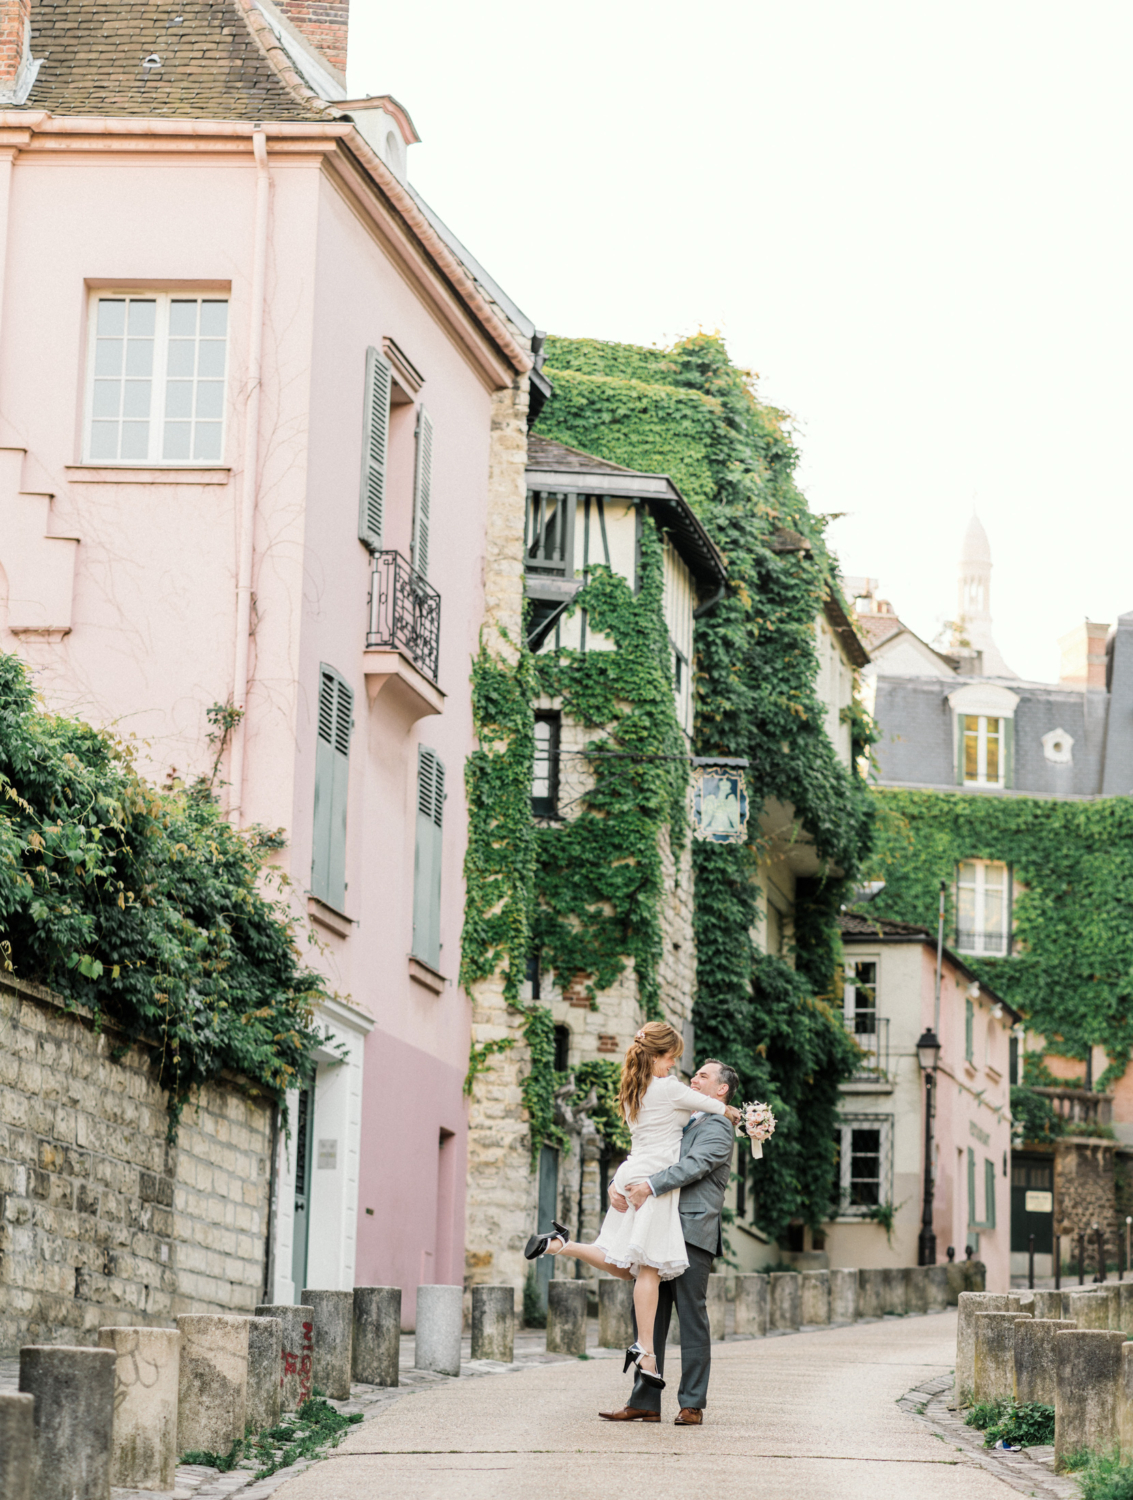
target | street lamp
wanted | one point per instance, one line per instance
(928, 1050)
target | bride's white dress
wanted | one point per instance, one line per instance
(651, 1235)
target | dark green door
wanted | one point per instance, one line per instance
(1032, 1203)
(548, 1210)
(304, 1132)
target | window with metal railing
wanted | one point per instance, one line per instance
(861, 1019)
(405, 613)
(983, 907)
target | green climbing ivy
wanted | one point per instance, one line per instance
(1071, 969)
(145, 905)
(689, 412)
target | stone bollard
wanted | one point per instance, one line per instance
(843, 1296)
(17, 1445)
(265, 1350)
(916, 1289)
(1048, 1307)
(936, 1283)
(1089, 1310)
(212, 1396)
(1034, 1358)
(440, 1322)
(717, 1302)
(956, 1282)
(615, 1313)
(751, 1306)
(1088, 1368)
(994, 1362)
(871, 1294)
(1124, 1407)
(377, 1334)
(146, 1381)
(975, 1276)
(894, 1291)
(493, 1323)
(334, 1338)
(814, 1296)
(296, 1350)
(73, 1419)
(969, 1305)
(566, 1317)
(784, 1300)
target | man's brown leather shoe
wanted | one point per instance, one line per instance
(688, 1416)
(631, 1414)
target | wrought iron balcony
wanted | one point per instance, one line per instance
(405, 613)
(871, 1032)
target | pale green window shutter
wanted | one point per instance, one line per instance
(961, 724)
(1008, 751)
(422, 493)
(969, 1030)
(375, 446)
(972, 1220)
(332, 777)
(989, 1194)
(427, 858)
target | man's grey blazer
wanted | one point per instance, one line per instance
(702, 1173)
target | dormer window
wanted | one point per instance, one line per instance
(983, 746)
(984, 729)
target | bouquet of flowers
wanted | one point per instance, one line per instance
(758, 1126)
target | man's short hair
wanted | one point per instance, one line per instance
(727, 1075)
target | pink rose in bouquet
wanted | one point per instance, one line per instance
(758, 1126)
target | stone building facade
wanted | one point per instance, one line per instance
(103, 1218)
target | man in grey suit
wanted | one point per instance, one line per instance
(701, 1174)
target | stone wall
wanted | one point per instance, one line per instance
(102, 1219)
(1085, 1193)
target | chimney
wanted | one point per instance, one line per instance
(1083, 657)
(322, 23)
(15, 34)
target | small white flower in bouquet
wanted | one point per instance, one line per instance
(758, 1126)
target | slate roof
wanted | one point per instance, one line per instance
(545, 453)
(212, 66)
(858, 924)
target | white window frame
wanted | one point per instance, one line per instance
(975, 941)
(847, 1124)
(163, 299)
(982, 735)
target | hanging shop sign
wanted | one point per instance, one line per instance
(719, 805)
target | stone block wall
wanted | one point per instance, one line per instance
(1085, 1193)
(103, 1220)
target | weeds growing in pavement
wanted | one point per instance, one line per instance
(1105, 1477)
(1026, 1425)
(315, 1427)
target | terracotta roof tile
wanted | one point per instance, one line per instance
(212, 67)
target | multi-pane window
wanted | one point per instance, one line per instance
(545, 776)
(984, 750)
(156, 382)
(864, 1149)
(859, 1004)
(983, 900)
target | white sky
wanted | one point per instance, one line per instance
(912, 220)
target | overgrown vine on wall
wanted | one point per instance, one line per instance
(1071, 969)
(689, 412)
(599, 872)
(145, 905)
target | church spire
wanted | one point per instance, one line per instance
(973, 632)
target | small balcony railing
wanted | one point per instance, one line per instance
(968, 940)
(405, 613)
(1081, 1106)
(871, 1032)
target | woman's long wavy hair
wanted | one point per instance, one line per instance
(655, 1039)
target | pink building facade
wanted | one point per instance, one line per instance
(251, 406)
(889, 1002)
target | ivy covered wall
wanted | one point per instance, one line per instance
(1071, 969)
(690, 413)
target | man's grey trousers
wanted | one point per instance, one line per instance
(690, 1293)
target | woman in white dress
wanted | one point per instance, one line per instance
(646, 1244)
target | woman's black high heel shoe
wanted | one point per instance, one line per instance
(537, 1244)
(634, 1355)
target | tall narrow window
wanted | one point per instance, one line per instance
(859, 1003)
(985, 750)
(375, 446)
(422, 493)
(970, 1032)
(973, 1221)
(983, 897)
(545, 776)
(989, 1194)
(332, 775)
(156, 379)
(427, 858)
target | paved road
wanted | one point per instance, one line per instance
(811, 1415)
